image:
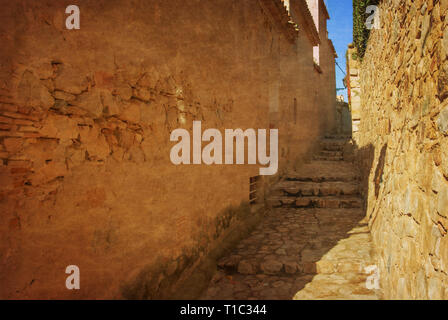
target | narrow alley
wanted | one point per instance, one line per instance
(226, 149)
(314, 243)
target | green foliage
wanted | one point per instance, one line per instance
(360, 31)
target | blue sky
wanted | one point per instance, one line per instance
(340, 28)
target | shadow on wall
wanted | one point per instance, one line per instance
(364, 158)
(187, 276)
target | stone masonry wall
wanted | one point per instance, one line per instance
(85, 119)
(354, 88)
(403, 144)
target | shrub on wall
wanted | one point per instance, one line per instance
(360, 31)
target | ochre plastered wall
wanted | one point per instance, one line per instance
(85, 119)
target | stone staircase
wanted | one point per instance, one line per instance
(327, 182)
(313, 244)
(332, 150)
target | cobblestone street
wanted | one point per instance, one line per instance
(312, 245)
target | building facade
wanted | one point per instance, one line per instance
(85, 122)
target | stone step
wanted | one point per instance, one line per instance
(328, 158)
(247, 266)
(339, 286)
(290, 265)
(343, 271)
(320, 171)
(328, 252)
(338, 137)
(315, 202)
(298, 188)
(323, 178)
(332, 147)
(334, 266)
(335, 140)
(330, 153)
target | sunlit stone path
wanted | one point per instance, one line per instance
(312, 245)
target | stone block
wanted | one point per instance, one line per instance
(330, 190)
(247, 267)
(131, 112)
(91, 102)
(303, 202)
(271, 267)
(329, 203)
(442, 120)
(8, 127)
(48, 173)
(442, 201)
(273, 202)
(443, 7)
(61, 95)
(6, 120)
(70, 79)
(291, 267)
(110, 103)
(309, 268)
(124, 91)
(32, 93)
(142, 94)
(230, 262)
(13, 145)
(435, 289)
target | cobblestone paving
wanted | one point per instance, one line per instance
(312, 245)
